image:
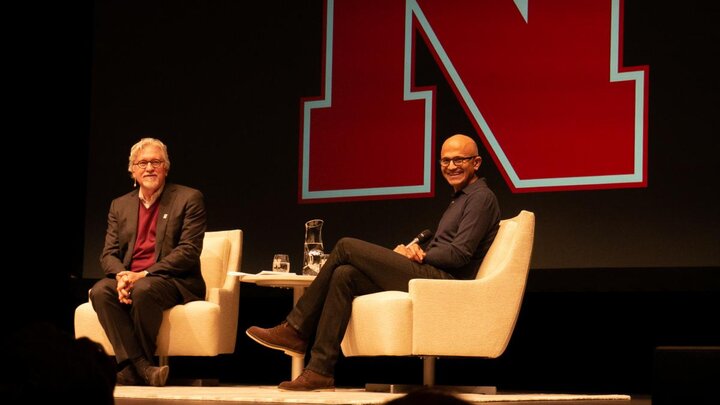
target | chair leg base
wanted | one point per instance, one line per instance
(194, 382)
(405, 388)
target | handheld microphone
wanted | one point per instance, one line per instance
(421, 238)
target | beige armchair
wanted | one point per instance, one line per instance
(198, 328)
(438, 318)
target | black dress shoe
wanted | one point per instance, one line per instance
(151, 375)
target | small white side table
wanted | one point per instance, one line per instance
(281, 280)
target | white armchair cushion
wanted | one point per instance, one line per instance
(380, 325)
(213, 261)
(200, 323)
(87, 325)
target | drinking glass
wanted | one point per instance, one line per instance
(281, 263)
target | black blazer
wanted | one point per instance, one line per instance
(180, 231)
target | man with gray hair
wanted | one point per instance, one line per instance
(151, 261)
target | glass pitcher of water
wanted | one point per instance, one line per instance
(313, 249)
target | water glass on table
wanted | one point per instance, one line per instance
(281, 263)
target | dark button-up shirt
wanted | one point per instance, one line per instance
(465, 231)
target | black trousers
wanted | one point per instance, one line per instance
(133, 328)
(354, 267)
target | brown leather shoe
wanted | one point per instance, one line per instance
(282, 337)
(309, 381)
(156, 376)
(128, 376)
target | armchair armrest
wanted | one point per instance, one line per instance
(474, 312)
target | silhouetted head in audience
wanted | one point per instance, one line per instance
(42, 364)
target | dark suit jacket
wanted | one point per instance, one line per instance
(180, 231)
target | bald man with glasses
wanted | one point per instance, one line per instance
(355, 267)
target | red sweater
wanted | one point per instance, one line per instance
(144, 253)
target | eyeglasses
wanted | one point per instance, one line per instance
(457, 161)
(154, 163)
